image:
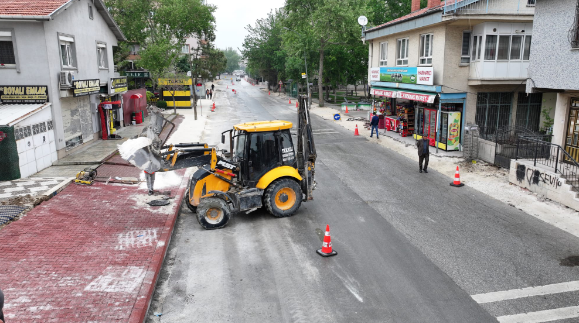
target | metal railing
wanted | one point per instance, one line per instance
(549, 155)
(489, 6)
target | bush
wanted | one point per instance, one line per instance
(162, 104)
(150, 95)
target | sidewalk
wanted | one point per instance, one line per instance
(93, 253)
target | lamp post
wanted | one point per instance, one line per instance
(306, 65)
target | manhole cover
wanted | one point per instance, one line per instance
(9, 212)
(158, 202)
(570, 261)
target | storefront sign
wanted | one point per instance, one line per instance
(118, 85)
(175, 81)
(138, 74)
(426, 98)
(23, 94)
(85, 87)
(408, 75)
(385, 93)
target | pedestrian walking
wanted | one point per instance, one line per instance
(374, 125)
(423, 153)
(2, 306)
(207, 94)
(210, 94)
(212, 86)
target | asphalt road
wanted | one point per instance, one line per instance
(410, 247)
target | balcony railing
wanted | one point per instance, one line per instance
(478, 7)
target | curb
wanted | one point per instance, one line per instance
(145, 296)
(58, 188)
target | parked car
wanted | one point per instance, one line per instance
(238, 78)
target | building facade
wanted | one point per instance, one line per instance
(66, 46)
(554, 68)
(476, 54)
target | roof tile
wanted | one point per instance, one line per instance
(30, 7)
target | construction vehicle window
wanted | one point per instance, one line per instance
(263, 154)
(287, 148)
(239, 147)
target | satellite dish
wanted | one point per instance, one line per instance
(362, 20)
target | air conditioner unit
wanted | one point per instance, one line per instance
(66, 78)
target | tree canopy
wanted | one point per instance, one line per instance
(233, 58)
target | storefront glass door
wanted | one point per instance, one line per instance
(572, 140)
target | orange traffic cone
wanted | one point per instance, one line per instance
(228, 86)
(456, 182)
(232, 90)
(347, 109)
(290, 101)
(213, 109)
(356, 133)
(326, 250)
(296, 104)
(268, 93)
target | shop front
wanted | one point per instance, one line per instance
(414, 106)
(572, 133)
(110, 107)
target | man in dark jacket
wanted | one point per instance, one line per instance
(423, 153)
(374, 124)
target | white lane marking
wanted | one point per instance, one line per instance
(541, 316)
(526, 292)
(324, 133)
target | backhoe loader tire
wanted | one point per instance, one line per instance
(189, 205)
(213, 213)
(283, 197)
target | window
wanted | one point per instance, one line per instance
(479, 49)
(476, 48)
(516, 46)
(531, 3)
(426, 49)
(402, 52)
(384, 54)
(287, 149)
(67, 51)
(529, 110)
(7, 55)
(185, 49)
(263, 154)
(90, 12)
(493, 110)
(102, 56)
(491, 47)
(503, 50)
(465, 57)
(527, 48)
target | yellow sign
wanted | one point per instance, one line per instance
(85, 87)
(118, 85)
(175, 81)
(23, 94)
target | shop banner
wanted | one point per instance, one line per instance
(23, 94)
(85, 87)
(408, 75)
(375, 74)
(138, 74)
(118, 85)
(454, 119)
(426, 98)
(175, 81)
(385, 93)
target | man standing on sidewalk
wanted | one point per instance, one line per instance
(374, 125)
(423, 153)
(212, 87)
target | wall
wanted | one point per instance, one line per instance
(554, 64)
(543, 182)
(75, 21)
(134, 105)
(549, 101)
(486, 150)
(38, 151)
(438, 53)
(561, 116)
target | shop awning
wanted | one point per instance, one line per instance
(136, 96)
(425, 97)
(384, 91)
(11, 114)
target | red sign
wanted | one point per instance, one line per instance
(417, 97)
(280, 82)
(386, 93)
(2, 135)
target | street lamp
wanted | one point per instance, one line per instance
(306, 64)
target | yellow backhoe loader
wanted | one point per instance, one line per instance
(261, 168)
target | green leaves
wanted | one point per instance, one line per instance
(232, 58)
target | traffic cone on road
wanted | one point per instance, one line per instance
(268, 93)
(290, 101)
(356, 133)
(456, 182)
(326, 250)
(213, 109)
(347, 109)
(296, 104)
(228, 86)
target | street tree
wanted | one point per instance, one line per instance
(233, 59)
(326, 23)
(383, 11)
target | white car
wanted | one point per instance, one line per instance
(238, 78)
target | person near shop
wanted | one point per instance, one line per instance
(207, 94)
(374, 125)
(212, 87)
(210, 94)
(423, 153)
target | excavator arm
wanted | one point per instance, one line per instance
(306, 150)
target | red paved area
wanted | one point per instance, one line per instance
(90, 254)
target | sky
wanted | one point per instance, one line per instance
(232, 16)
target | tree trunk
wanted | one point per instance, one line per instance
(335, 94)
(320, 78)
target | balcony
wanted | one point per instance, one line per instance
(485, 7)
